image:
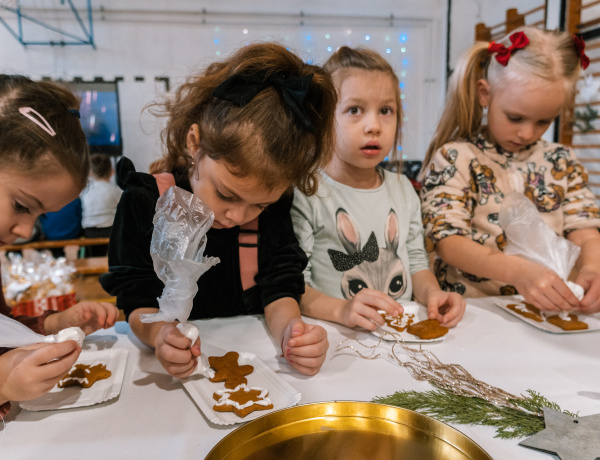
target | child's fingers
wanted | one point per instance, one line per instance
(304, 369)
(379, 301)
(55, 370)
(309, 365)
(312, 335)
(111, 315)
(452, 318)
(181, 371)
(53, 351)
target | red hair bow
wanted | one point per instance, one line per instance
(580, 47)
(518, 39)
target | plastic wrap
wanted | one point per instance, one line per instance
(177, 249)
(528, 236)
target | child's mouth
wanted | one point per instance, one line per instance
(370, 149)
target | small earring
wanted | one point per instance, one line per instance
(484, 115)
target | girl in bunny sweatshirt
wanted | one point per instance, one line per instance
(362, 231)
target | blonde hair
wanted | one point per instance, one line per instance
(550, 55)
(263, 139)
(340, 64)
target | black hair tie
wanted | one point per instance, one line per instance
(241, 88)
(74, 112)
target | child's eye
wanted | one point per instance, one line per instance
(262, 207)
(514, 119)
(20, 208)
(353, 110)
(225, 198)
(386, 111)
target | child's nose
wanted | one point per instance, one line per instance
(236, 214)
(23, 228)
(526, 131)
(372, 124)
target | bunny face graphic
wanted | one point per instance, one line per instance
(369, 266)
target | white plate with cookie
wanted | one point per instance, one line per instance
(396, 328)
(270, 390)
(548, 321)
(113, 360)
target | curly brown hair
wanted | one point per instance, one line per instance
(263, 139)
(29, 149)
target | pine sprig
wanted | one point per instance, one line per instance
(449, 407)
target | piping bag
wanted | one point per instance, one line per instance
(181, 222)
(528, 236)
(13, 334)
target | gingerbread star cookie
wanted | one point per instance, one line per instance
(527, 310)
(427, 329)
(228, 370)
(242, 400)
(400, 322)
(571, 324)
(85, 375)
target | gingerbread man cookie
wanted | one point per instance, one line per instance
(400, 322)
(428, 329)
(228, 370)
(527, 310)
(571, 324)
(85, 375)
(242, 400)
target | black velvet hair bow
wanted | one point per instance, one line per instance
(344, 262)
(241, 88)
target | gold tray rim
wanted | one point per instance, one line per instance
(253, 428)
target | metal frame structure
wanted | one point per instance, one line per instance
(88, 31)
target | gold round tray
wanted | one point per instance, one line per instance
(346, 430)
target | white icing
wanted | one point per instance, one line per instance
(564, 315)
(70, 333)
(401, 321)
(190, 330)
(225, 394)
(576, 289)
(522, 308)
(204, 368)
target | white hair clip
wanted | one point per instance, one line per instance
(41, 122)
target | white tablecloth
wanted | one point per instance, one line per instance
(154, 418)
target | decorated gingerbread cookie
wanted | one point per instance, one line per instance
(85, 375)
(228, 370)
(242, 400)
(427, 329)
(527, 310)
(571, 324)
(400, 322)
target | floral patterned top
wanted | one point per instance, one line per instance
(465, 184)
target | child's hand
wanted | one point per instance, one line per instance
(304, 346)
(89, 316)
(362, 309)
(589, 280)
(447, 307)
(543, 288)
(174, 352)
(29, 372)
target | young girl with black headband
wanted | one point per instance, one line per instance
(523, 83)
(240, 136)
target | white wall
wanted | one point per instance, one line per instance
(175, 38)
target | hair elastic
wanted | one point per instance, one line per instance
(580, 49)
(74, 112)
(41, 122)
(241, 88)
(518, 39)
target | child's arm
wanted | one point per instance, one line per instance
(29, 372)
(171, 347)
(89, 316)
(539, 285)
(303, 345)
(447, 307)
(588, 265)
(361, 310)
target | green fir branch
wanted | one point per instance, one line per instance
(449, 407)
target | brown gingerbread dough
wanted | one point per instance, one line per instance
(573, 325)
(228, 370)
(427, 329)
(242, 395)
(531, 312)
(85, 375)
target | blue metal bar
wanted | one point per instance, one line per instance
(12, 32)
(89, 40)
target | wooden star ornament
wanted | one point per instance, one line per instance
(569, 438)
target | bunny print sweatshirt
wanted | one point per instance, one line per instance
(361, 238)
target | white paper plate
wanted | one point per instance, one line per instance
(76, 396)
(201, 389)
(593, 321)
(392, 335)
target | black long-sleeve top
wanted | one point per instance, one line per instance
(132, 279)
